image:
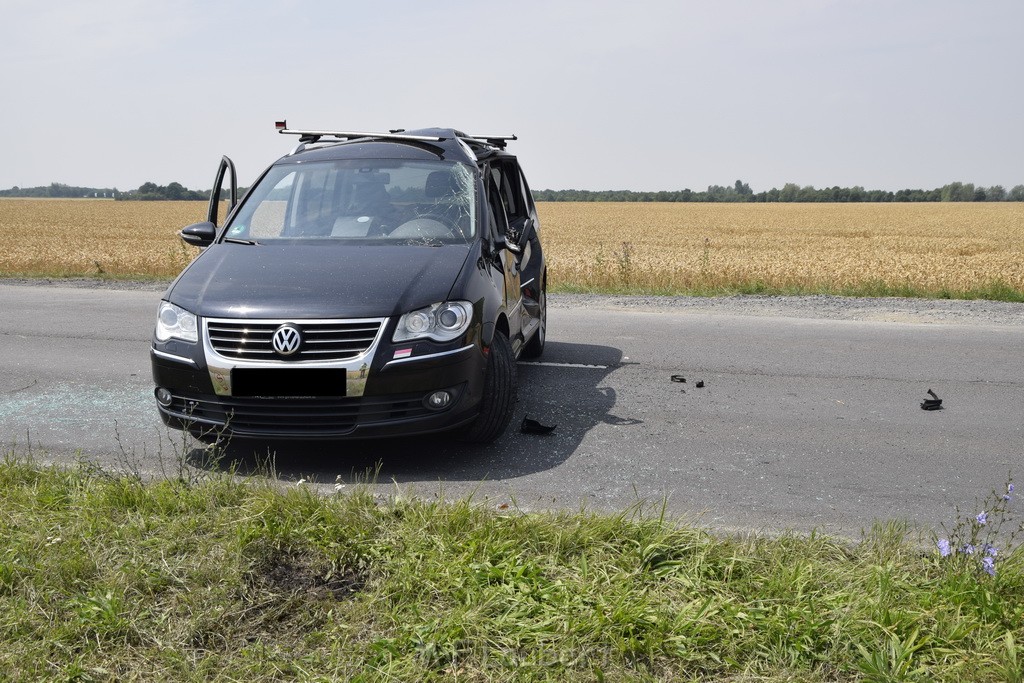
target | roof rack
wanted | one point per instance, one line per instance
(311, 136)
(315, 135)
(499, 141)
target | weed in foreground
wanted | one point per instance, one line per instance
(977, 541)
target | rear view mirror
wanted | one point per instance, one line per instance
(199, 234)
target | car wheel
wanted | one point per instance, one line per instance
(500, 388)
(535, 347)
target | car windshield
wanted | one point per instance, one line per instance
(352, 201)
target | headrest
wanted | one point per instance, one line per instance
(441, 184)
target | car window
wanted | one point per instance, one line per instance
(508, 179)
(360, 201)
(528, 204)
(498, 215)
(508, 198)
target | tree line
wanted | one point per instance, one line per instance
(737, 192)
(791, 192)
(145, 192)
(60, 190)
(171, 191)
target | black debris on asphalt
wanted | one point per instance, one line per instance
(531, 426)
(678, 378)
(933, 403)
(700, 384)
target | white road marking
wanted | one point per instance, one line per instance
(565, 365)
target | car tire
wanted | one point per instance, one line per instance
(499, 394)
(535, 347)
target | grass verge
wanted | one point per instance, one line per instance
(107, 577)
(993, 291)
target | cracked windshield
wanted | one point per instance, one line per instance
(362, 202)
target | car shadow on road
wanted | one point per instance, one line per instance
(564, 388)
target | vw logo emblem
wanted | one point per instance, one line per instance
(286, 340)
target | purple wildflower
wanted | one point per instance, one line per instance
(944, 547)
(991, 550)
(1009, 490)
(982, 518)
(968, 549)
(989, 565)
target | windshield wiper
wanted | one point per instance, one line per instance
(235, 240)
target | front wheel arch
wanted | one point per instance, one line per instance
(491, 330)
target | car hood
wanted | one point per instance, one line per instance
(316, 281)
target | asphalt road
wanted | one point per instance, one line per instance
(803, 422)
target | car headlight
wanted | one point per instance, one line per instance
(441, 322)
(174, 321)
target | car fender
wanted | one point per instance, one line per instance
(478, 284)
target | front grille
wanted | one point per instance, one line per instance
(322, 340)
(325, 417)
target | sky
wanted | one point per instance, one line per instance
(645, 95)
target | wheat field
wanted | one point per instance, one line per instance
(929, 249)
(85, 237)
(949, 249)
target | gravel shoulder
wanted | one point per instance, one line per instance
(820, 307)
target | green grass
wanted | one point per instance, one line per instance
(106, 577)
(993, 291)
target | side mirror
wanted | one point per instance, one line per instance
(199, 234)
(501, 242)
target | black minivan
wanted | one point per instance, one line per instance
(367, 285)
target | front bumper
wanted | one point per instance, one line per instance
(385, 391)
(314, 418)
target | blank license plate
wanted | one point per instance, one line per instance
(287, 382)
